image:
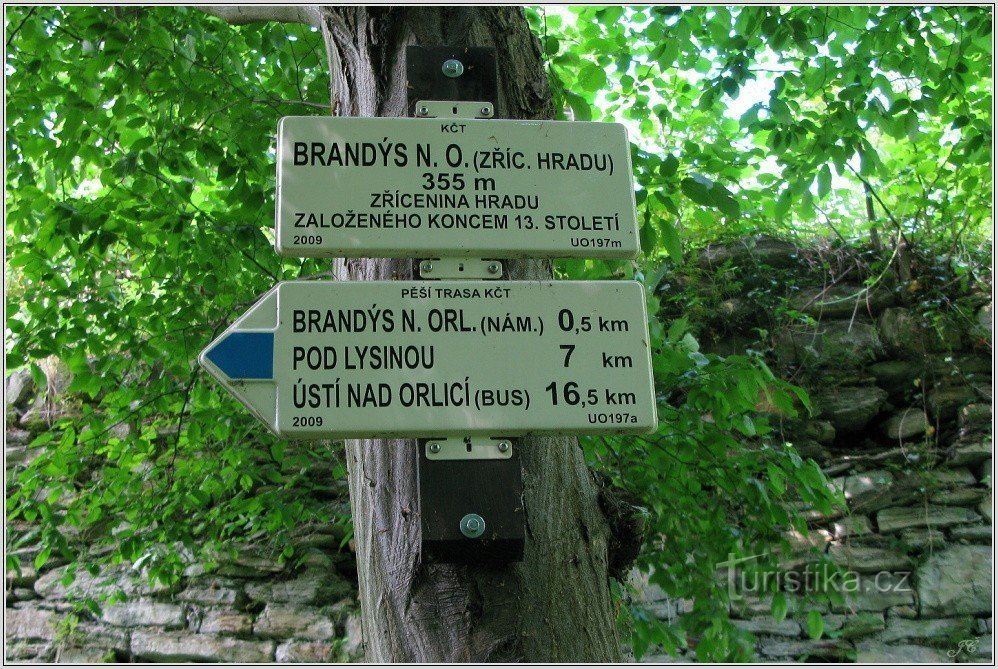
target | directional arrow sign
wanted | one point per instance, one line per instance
(430, 187)
(442, 358)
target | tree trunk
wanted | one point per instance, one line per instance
(555, 605)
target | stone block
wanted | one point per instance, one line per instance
(216, 621)
(214, 593)
(139, 614)
(899, 629)
(761, 249)
(50, 586)
(248, 564)
(16, 437)
(185, 647)
(353, 643)
(867, 559)
(976, 534)
(312, 587)
(841, 301)
(839, 344)
(958, 497)
(901, 518)
(956, 581)
(862, 486)
(305, 651)
(923, 539)
(974, 419)
(18, 388)
(897, 377)
(822, 649)
(905, 424)
(85, 655)
(875, 652)
(850, 408)
(851, 526)
(285, 622)
(944, 402)
(29, 651)
(766, 625)
(30, 625)
(970, 452)
(822, 431)
(876, 593)
(861, 625)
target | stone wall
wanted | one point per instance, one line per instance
(250, 608)
(903, 427)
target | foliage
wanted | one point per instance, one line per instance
(794, 121)
(140, 185)
(784, 119)
(140, 177)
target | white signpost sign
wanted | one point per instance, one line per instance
(402, 187)
(442, 358)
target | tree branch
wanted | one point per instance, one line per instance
(240, 15)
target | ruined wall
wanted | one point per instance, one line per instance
(248, 608)
(902, 425)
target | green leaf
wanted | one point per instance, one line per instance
(592, 77)
(670, 239)
(815, 624)
(824, 181)
(581, 109)
(780, 605)
(669, 166)
(648, 233)
(707, 192)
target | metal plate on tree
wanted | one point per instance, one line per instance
(403, 187)
(399, 358)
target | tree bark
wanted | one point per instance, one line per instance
(555, 605)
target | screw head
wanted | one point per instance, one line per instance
(503, 446)
(453, 68)
(423, 111)
(426, 266)
(486, 111)
(434, 447)
(472, 526)
(494, 268)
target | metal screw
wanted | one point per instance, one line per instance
(453, 68)
(423, 111)
(426, 267)
(503, 446)
(434, 447)
(486, 111)
(494, 268)
(472, 526)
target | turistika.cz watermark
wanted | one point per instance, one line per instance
(745, 578)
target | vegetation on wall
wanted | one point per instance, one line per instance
(140, 190)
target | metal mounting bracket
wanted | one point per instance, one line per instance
(450, 109)
(469, 448)
(459, 268)
(471, 489)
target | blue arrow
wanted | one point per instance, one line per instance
(245, 355)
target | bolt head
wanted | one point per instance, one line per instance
(486, 111)
(434, 447)
(423, 111)
(494, 268)
(503, 446)
(426, 266)
(453, 68)
(472, 526)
